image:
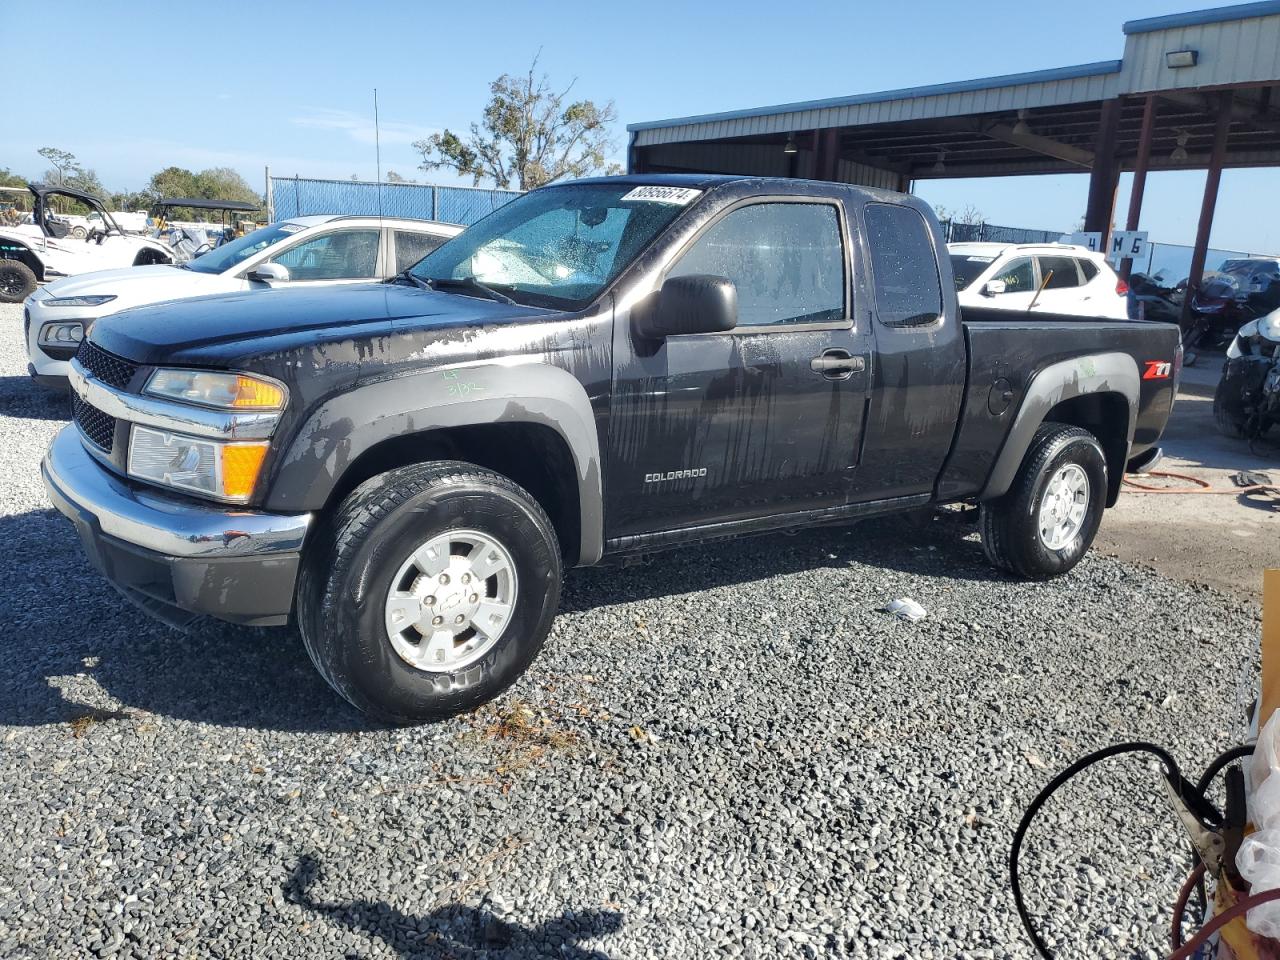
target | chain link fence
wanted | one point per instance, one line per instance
(299, 196)
(994, 233)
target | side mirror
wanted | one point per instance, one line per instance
(993, 288)
(269, 272)
(697, 303)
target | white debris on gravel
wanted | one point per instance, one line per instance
(729, 751)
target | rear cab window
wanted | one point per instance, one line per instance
(905, 265)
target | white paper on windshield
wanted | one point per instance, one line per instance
(680, 196)
(979, 259)
(292, 228)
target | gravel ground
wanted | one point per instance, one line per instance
(729, 751)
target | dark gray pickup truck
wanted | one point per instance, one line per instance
(600, 368)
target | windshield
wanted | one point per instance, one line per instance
(242, 248)
(558, 246)
(966, 268)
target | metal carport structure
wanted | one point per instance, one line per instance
(1192, 91)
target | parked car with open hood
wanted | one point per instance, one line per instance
(301, 252)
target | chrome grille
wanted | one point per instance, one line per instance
(98, 428)
(107, 367)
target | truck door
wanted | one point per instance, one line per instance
(919, 378)
(765, 419)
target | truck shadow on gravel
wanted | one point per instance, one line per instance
(23, 399)
(456, 932)
(918, 545)
(79, 654)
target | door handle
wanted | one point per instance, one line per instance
(837, 364)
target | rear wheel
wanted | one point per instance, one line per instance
(431, 592)
(17, 281)
(1047, 521)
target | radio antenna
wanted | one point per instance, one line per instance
(377, 150)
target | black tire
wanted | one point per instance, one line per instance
(1010, 524)
(17, 281)
(1227, 408)
(347, 574)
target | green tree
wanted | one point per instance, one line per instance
(10, 200)
(216, 183)
(223, 183)
(62, 161)
(530, 135)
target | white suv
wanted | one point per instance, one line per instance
(310, 251)
(1075, 280)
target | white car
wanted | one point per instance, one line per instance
(1041, 277)
(305, 250)
(47, 248)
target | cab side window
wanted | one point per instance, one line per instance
(1064, 272)
(1019, 276)
(786, 260)
(908, 291)
(341, 255)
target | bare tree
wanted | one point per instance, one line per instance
(969, 214)
(530, 135)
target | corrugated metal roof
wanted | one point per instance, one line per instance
(1101, 68)
(1237, 44)
(1232, 51)
(1195, 18)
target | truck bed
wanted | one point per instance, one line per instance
(1006, 349)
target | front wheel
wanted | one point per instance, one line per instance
(430, 592)
(17, 281)
(1047, 521)
(1228, 407)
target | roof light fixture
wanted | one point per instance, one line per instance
(1180, 151)
(790, 146)
(1022, 128)
(1175, 59)
(941, 165)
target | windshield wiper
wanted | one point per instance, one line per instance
(412, 278)
(468, 283)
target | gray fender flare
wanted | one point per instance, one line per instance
(336, 433)
(1092, 373)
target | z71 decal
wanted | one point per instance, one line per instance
(1158, 370)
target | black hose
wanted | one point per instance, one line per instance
(1171, 771)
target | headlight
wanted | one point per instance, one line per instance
(94, 301)
(225, 391)
(227, 471)
(61, 334)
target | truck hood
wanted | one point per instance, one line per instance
(135, 286)
(233, 330)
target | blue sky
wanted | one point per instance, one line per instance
(133, 87)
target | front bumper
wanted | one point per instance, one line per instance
(49, 366)
(175, 557)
